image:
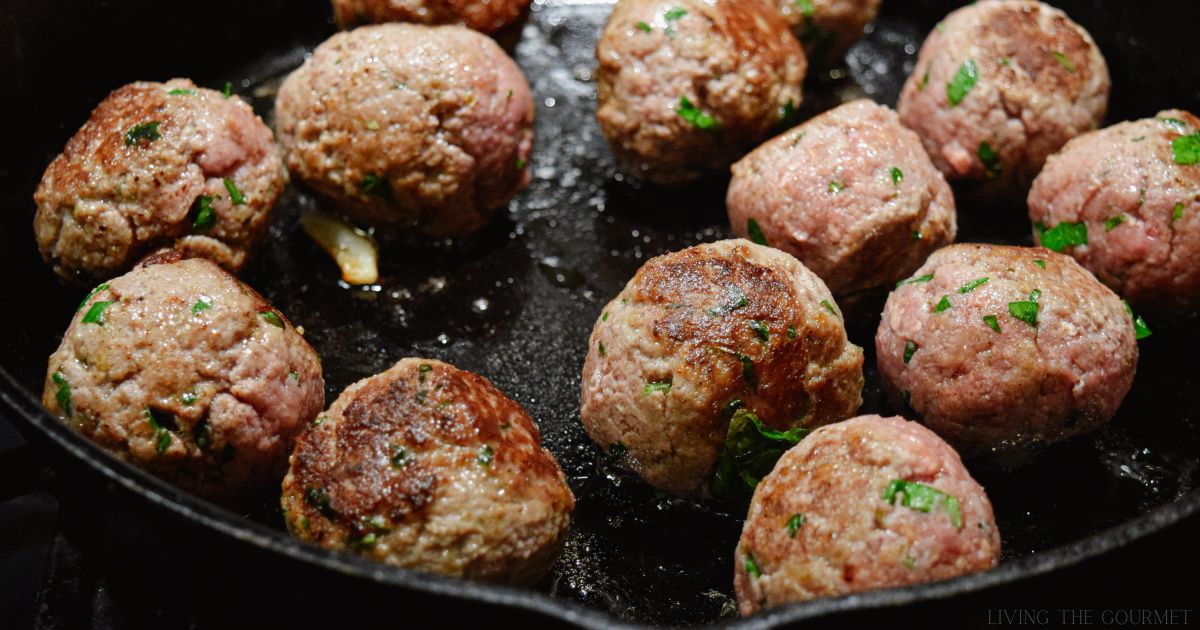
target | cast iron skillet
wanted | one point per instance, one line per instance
(516, 304)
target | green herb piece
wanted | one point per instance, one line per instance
(750, 452)
(737, 300)
(182, 92)
(644, 27)
(1140, 329)
(787, 113)
(1039, 262)
(1177, 213)
(674, 14)
(600, 347)
(63, 395)
(1063, 61)
(916, 235)
(401, 457)
(319, 499)
(829, 307)
(791, 332)
(95, 315)
(924, 82)
(806, 7)
(1026, 311)
(272, 318)
(486, 455)
(1175, 123)
(1186, 149)
(202, 434)
(203, 215)
(105, 286)
(1062, 236)
(992, 322)
(760, 329)
(202, 304)
(925, 278)
(604, 316)
(910, 348)
(971, 286)
(319, 420)
(294, 375)
(836, 187)
(754, 232)
(897, 176)
(1004, 61)
(923, 498)
(147, 131)
(422, 370)
(520, 163)
(1113, 222)
(795, 523)
(963, 81)
(235, 195)
(376, 185)
(228, 91)
(752, 566)
(991, 161)
(656, 386)
(689, 112)
(162, 436)
(942, 305)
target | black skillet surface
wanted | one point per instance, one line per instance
(517, 303)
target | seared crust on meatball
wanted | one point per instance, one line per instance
(851, 193)
(429, 467)
(844, 511)
(139, 174)
(1026, 80)
(686, 87)
(1140, 205)
(827, 28)
(1002, 349)
(181, 369)
(486, 17)
(694, 331)
(423, 126)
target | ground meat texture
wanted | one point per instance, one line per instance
(156, 165)
(827, 28)
(1004, 349)
(428, 127)
(486, 17)
(429, 467)
(1136, 188)
(1000, 85)
(686, 87)
(181, 369)
(862, 504)
(694, 331)
(851, 193)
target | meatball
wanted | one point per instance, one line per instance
(181, 369)
(686, 87)
(427, 127)
(1003, 349)
(862, 504)
(429, 467)
(999, 86)
(486, 17)
(827, 28)
(701, 332)
(158, 165)
(1135, 187)
(851, 193)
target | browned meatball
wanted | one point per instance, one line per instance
(1135, 188)
(851, 193)
(699, 332)
(484, 16)
(862, 504)
(422, 126)
(183, 370)
(158, 165)
(686, 87)
(999, 85)
(827, 28)
(429, 467)
(1003, 349)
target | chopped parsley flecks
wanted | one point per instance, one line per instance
(375, 185)
(422, 370)
(319, 500)
(162, 436)
(272, 318)
(737, 300)
(1113, 222)
(203, 303)
(202, 434)
(914, 280)
(228, 91)
(750, 452)
(600, 348)
(897, 175)
(1062, 236)
(294, 375)
(604, 316)
(674, 13)
(1026, 311)
(95, 314)
(188, 398)
(942, 305)
(836, 187)
(754, 232)
(1177, 212)
(643, 27)
(965, 79)
(917, 235)
(992, 322)
(700, 120)
(989, 159)
(760, 329)
(791, 332)
(182, 92)
(1140, 329)
(924, 82)
(235, 195)
(972, 285)
(486, 455)
(147, 131)
(1039, 262)
(829, 307)
(1175, 124)
(105, 286)
(203, 215)
(923, 498)
(400, 457)
(656, 386)
(752, 566)
(62, 395)
(794, 524)
(806, 7)
(1186, 149)
(1063, 61)
(787, 113)
(910, 348)
(520, 163)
